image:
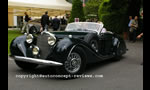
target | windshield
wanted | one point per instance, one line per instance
(84, 26)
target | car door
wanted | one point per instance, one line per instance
(105, 40)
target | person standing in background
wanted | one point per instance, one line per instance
(133, 28)
(25, 26)
(50, 21)
(63, 23)
(129, 25)
(45, 21)
(55, 23)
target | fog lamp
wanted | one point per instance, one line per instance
(35, 50)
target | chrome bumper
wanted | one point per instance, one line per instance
(37, 61)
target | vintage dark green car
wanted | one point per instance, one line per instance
(67, 51)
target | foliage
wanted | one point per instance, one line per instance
(77, 11)
(134, 7)
(91, 7)
(114, 15)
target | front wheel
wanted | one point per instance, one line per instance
(33, 30)
(74, 64)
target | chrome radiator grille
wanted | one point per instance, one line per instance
(42, 43)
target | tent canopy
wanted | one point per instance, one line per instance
(38, 7)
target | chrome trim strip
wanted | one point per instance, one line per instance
(50, 34)
(37, 61)
(71, 50)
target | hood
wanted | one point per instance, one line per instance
(62, 34)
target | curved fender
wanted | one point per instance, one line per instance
(65, 46)
(17, 45)
(62, 48)
(117, 41)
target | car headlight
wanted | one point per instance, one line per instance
(51, 40)
(35, 50)
(29, 38)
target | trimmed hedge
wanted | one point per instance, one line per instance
(91, 7)
(113, 13)
(77, 11)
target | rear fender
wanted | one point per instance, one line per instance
(117, 41)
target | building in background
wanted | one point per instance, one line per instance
(35, 8)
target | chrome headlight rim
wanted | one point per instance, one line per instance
(29, 38)
(51, 40)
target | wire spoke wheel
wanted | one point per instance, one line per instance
(73, 63)
(32, 30)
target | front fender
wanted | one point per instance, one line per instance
(65, 46)
(62, 48)
(17, 46)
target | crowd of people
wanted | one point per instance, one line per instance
(134, 28)
(55, 23)
(46, 22)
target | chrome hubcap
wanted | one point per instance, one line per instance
(73, 63)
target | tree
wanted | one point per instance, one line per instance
(134, 7)
(91, 7)
(113, 13)
(77, 11)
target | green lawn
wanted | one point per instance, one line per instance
(11, 35)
